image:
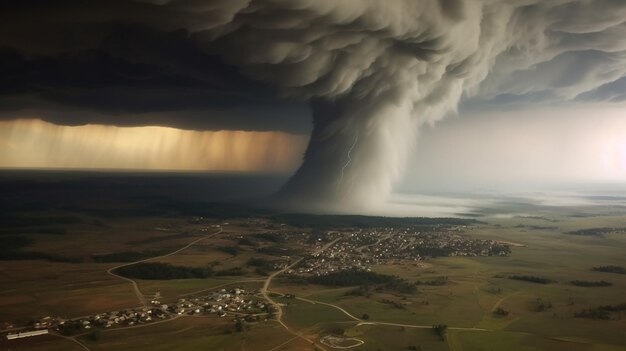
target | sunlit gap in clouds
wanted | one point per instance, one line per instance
(32, 143)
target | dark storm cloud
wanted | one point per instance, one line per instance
(70, 62)
(109, 60)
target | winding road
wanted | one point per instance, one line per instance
(277, 306)
(279, 311)
(363, 322)
(140, 296)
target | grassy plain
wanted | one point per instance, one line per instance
(190, 333)
(478, 285)
(475, 287)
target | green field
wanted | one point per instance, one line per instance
(478, 285)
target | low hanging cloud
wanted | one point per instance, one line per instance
(372, 71)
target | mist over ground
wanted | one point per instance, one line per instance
(156, 191)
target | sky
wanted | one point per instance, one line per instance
(526, 149)
(358, 99)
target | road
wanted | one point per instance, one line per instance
(331, 305)
(360, 248)
(268, 281)
(140, 297)
(363, 322)
(277, 306)
(421, 326)
(72, 339)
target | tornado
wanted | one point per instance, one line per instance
(371, 72)
(354, 155)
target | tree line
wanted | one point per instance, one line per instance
(610, 269)
(165, 271)
(586, 283)
(364, 279)
(601, 312)
(531, 278)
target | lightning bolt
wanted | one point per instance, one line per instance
(356, 138)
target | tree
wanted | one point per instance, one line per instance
(365, 316)
(239, 326)
(501, 312)
(94, 335)
(440, 330)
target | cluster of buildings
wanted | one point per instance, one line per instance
(27, 334)
(366, 248)
(236, 302)
(417, 245)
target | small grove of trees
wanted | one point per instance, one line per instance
(585, 283)
(395, 304)
(273, 237)
(596, 231)
(231, 250)
(440, 330)
(542, 305)
(362, 290)
(610, 269)
(433, 282)
(70, 328)
(239, 325)
(531, 278)
(501, 312)
(262, 266)
(95, 334)
(600, 312)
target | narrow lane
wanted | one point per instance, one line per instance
(277, 306)
(140, 296)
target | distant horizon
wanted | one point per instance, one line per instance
(482, 188)
(256, 188)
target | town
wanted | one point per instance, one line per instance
(366, 248)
